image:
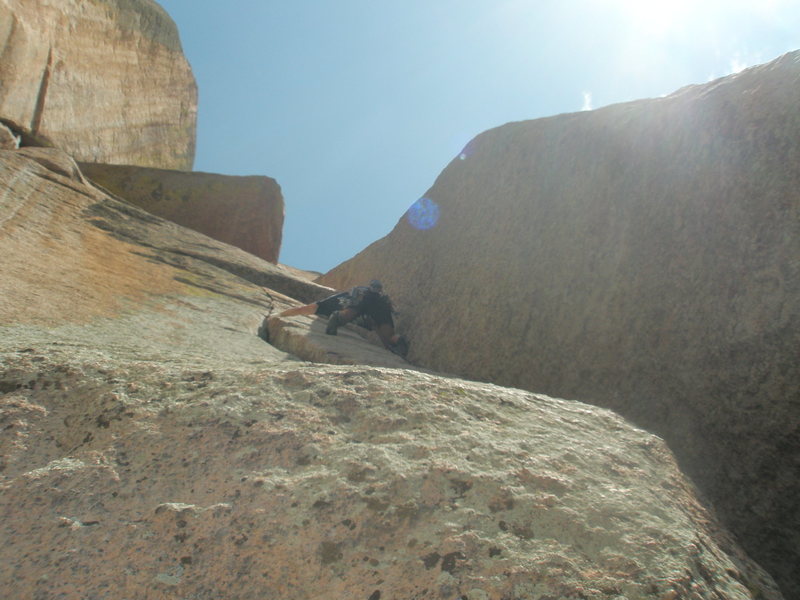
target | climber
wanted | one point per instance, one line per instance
(368, 302)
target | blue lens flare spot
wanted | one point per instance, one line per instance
(423, 214)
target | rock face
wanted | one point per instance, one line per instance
(8, 141)
(246, 212)
(641, 257)
(154, 446)
(105, 80)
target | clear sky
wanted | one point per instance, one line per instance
(355, 106)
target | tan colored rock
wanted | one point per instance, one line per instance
(305, 338)
(8, 141)
(56, 268)
(326, 482)
(641, 257)
(154, 446)
(54, 160)
(104, 80)
(246, 212)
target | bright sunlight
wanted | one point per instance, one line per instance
(657, 17)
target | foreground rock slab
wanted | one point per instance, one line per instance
(154, 446)
(142, 480)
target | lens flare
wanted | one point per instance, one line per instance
(423, 214)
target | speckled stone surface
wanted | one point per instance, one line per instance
(154, 446)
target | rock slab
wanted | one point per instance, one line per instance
(105, 80)
(246, 212)
(153, 446)
(641, 257)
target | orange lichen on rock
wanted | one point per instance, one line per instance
(51, 258)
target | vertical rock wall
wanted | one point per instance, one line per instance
(642, 257)
(246, 212)
(105, 80)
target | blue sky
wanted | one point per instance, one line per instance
(355, 106)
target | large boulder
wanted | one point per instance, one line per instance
(105, 80)
(154, 446)
(642, 257)
(246, 212)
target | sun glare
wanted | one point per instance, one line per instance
(667, 16)
(656, 17)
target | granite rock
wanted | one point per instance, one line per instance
(305, 338)
(641, 257)
(105, 80)
(246, 212)
(8, 141)
(154, 446)
(54, 160)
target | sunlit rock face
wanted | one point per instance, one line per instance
(641, 257)
(246, 212)
(105, 80)
(154, 446)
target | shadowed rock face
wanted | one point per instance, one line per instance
(153, 445)
(641, 257)
(246, 212)
(105, 80)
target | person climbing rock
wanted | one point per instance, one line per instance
(366, 302)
